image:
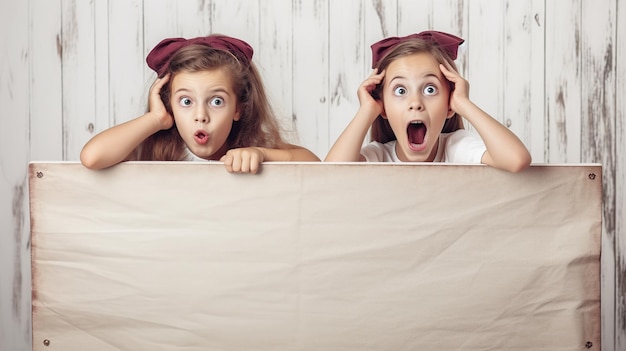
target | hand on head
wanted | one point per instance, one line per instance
(365, 93)
(156, 106)
(460, 86)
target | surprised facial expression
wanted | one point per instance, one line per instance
(416, 99)
(204, 106)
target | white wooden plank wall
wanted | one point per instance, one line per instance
(550, 70)
(619, 239)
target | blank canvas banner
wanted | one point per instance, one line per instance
(185, 256)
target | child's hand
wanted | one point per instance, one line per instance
(243, 160)
(156, 106)
(460, 91)
(364, 93)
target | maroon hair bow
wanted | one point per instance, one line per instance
(447, 42)
(160, 55)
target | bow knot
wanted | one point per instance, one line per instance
(448, 43)
(159, 57)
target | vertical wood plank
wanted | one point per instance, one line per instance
(620, 180)
(275, 60)
(46, 113)
(102, 118)
(237, 19)
(128, 87)
(451, 16)
(518, 83)
(14, 156)
(414, 16)
(79, 108)
(193, 18)
(346, 62)
(311, 97)
(381, 21)
(537, 141)
(158, 22)
(597, 126)
(484, 45)
(562, 66)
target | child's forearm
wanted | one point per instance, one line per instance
(504, 149)
(291, 153)
(115, 144)
(347, 148)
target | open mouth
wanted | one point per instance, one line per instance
(416, 133)
(201, 137)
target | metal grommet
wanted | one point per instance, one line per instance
(39, 174)
(592, 176)
(46, 342)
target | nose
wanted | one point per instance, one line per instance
(201, 115)
(416, 103)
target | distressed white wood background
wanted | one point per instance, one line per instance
(551, 70)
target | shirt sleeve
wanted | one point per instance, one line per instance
(464, 146)
(373, 152)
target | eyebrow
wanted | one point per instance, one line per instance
(426, 76)
(214, 91)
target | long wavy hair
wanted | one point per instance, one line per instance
(257, 125)
(381, 129)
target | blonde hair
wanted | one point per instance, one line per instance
(257, 125)
(381, 129)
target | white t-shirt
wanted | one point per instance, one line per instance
(461, 146)
(192, 157)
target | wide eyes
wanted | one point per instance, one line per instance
(185, 101)
(399, 91)
(217, 101)
(428, 90)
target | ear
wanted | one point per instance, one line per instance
(450, 113)
(237, 115)
(383, 113)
